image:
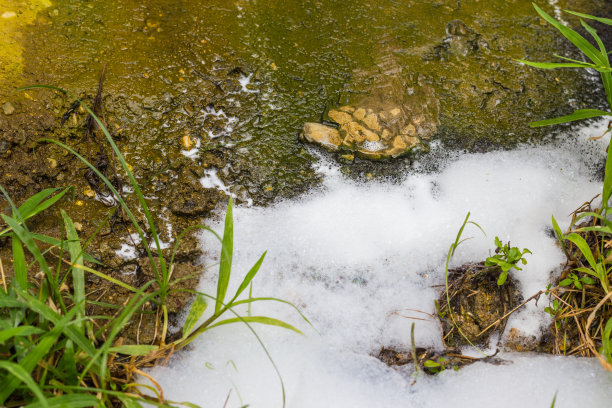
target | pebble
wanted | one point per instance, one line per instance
(8, 108)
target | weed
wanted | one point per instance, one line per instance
(438, 365)
(52, 352)
(586, 280)
(506, 257)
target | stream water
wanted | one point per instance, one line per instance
(365, 260)
(219, 89)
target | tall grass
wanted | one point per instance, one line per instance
(586, 280)
(52, 353)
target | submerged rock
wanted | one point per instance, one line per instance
(325, 136)
(381, 134)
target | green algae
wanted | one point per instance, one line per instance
(269, 66)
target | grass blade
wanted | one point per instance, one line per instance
(583, 246)
(19, 264)
(134, 349)
(31, 360)
(225, 264)
(257, 319)
(20, 331)
(27, 239)
(20, 374)
(197, 310)
(249, 276)
(579, 114)
(600, 19)
(586, 47)
(78, 275)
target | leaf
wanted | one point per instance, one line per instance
(607, 187)
(249, 276)
(586, 47)
(566, 282)
(69, 400)
(67, 364)
(502, 278)
(589, 17)
(556, 65)
(257, 319)
(27, 211)
(197, 309)
(134, 349)
(19, 332)
(129, 402)
(62, 244)
(431, 364)
(19, 263)
(225, 264)
(35, 355)
(583, 247)
(78, 275)
(18, 373)
(579, 114)
(587, 280)
(25, 237)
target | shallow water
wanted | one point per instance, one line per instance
(365, 260)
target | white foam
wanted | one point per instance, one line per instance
(359, 257)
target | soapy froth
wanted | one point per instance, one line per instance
(364, 261)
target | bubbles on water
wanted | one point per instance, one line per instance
(362, 260)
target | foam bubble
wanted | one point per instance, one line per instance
(365, 260)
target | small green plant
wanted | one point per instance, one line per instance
(606, 342)
(506, 258)
(573, 279)
(438, 365)
(554, 308)
(50, 353)
(599, 61)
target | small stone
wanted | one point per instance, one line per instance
(347, 108)
(371, 121)
(8, 14)
(359, 114)
(89, 192)
(52, 162)
(322, 135)
(354, 132)
(409, 130)
(339, 117)
(386, 135)
(399, 143)
(78, 226)
(395, 112)
(8, 108)
(187, 142)
(411, 141)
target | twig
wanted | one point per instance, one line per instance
(590, 342)
(3, 277)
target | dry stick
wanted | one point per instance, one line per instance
(3, 277)
(498, 321)
(155, 383)
(579, 327)
(590, 342)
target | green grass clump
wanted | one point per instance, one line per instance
(52, 354)
(582, 306)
